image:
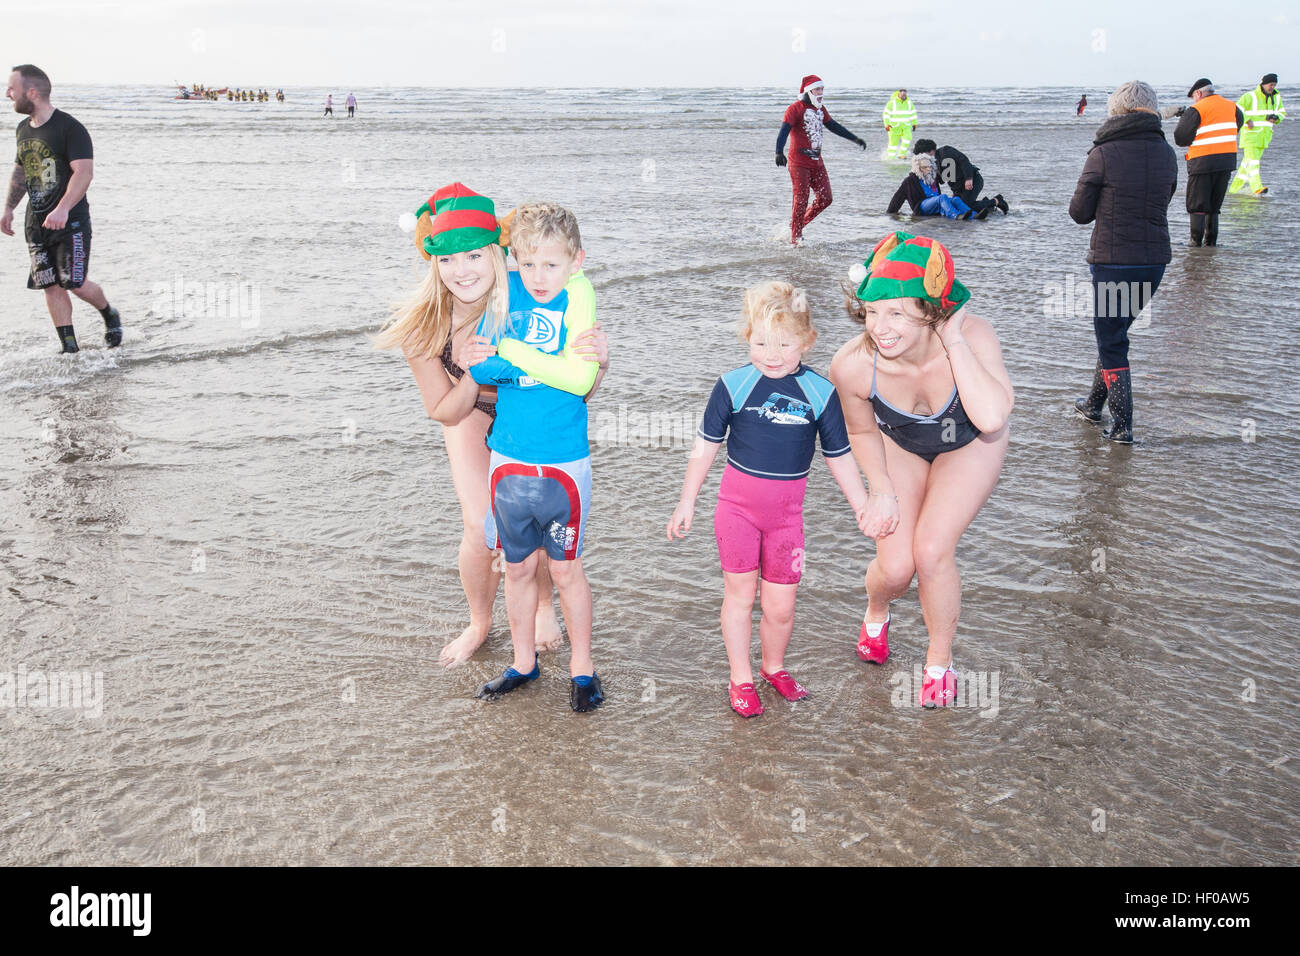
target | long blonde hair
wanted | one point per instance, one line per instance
(420, 324)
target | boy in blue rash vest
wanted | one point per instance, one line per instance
(540, 470)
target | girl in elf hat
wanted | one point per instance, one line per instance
(458, 232)
(803, 123)
(773, 411)
(926, 400)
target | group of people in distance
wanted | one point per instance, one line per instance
(803, 126)
(509, 358)
(329, 105)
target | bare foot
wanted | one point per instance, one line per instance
(548, 637)
(460, 650)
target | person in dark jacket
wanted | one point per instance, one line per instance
(960, 175)
(1211, 158)
(920, 189)
(1128, 180)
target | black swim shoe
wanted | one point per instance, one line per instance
(583, 699)
(508, 681)
(1001, 204)
(983, 213)
(113, 328)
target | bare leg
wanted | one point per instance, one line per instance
(890, 573)
(960, 482)
(92, 293)
(575, 599)
(776, 624)
(521, 606)
(549, 637)
(59, 303)
(480, 566)
(737, 622)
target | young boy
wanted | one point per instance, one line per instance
(540, 469)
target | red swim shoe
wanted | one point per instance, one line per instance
(874, 650)
(785, 685)
(939, 691)
(744, 700)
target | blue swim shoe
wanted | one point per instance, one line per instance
(585, 693)
(508, 681)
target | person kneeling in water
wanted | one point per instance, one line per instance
(921, 190)
(960, 175)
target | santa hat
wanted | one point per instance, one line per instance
(810, 81)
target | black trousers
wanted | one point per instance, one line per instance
(971, 197)
(1205, 191)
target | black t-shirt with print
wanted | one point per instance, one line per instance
(45, 153)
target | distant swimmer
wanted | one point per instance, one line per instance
(329, 104)
(1209, 129)
(1081, 105)
(279, 96)
(900, 120)
(54, 168)
(1263, 109)
(803, 124)
(352, 105)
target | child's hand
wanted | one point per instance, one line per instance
(680, 522)
(475, 349)
(592, 345)
(881, 516)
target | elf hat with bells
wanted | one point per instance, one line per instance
(457, 219)
(904, 266)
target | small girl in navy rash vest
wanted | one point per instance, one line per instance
(771, 411)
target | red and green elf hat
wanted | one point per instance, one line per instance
(904, 266)
(455, 219)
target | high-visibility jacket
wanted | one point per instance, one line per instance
(1255, 106)
(899, 112)
(1218, 130)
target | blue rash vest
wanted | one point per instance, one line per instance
(535, 423)
(775, 423)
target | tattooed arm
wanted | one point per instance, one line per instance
(17, 187)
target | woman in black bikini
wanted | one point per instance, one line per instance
(930, 377)
(434, 328)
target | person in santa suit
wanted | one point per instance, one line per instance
(803, 124)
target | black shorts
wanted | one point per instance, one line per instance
(59, 258)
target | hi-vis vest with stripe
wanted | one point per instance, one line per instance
(899, 112)
(1256, 107)
(1218, 130)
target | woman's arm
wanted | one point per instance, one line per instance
(977, 368)
(1083, 205)
(848, 373)
(443, 401)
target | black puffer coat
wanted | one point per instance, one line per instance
(1129, 178)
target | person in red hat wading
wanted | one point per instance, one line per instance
(803, 124)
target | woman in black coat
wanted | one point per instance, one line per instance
(1129, 178)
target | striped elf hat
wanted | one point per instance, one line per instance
(904, 266)
(455, 219)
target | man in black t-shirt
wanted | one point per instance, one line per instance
(53, 166)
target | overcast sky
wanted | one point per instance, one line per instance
(547, 43)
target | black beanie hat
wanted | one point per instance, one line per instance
(1268, 78)
(1198, 84)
